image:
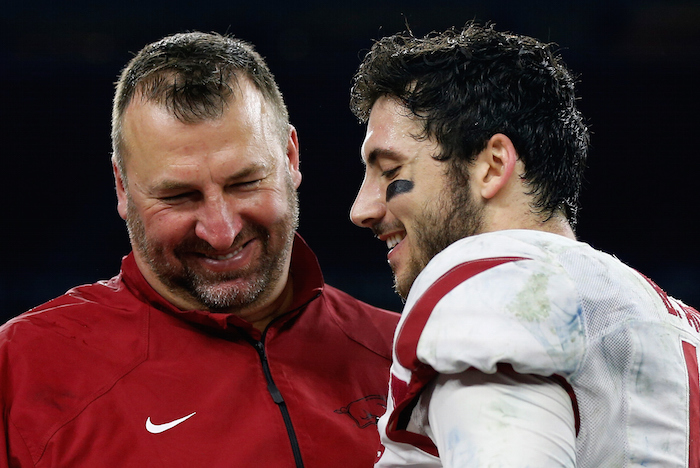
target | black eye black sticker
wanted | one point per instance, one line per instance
(397, 187)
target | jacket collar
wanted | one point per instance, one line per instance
(305, 271)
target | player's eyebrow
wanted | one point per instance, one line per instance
(377, 153)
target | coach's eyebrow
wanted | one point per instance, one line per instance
(169, 185)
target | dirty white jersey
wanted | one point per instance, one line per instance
(524, 348)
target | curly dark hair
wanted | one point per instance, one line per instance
(467, 85)
(192, 75)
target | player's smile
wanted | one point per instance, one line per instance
(394, 239)
(394, 243)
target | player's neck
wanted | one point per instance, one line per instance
(526, 219)
(557, 224)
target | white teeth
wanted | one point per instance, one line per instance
(393, 240)
(225, 257)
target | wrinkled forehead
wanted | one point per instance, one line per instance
(189, 107)
(156, 137)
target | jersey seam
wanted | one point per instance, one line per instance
(351, 338)
(127, 369)
(24, 442)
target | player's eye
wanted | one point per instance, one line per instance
(391, 173)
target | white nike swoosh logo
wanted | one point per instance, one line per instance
(158, 428)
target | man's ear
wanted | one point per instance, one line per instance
(119, 183)
(494, 166)
(293, 156)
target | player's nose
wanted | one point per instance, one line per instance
(369, 206)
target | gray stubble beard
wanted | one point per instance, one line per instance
(211, 292)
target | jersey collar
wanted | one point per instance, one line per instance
(305, 270)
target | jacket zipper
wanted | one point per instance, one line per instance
(277, 398)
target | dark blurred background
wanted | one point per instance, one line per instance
(638, 63)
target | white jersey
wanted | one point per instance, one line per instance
(499, 326)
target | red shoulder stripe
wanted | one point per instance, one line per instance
(407, 340)
(405, 394)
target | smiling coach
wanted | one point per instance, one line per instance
(218, 344)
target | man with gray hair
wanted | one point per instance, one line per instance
(218, 344)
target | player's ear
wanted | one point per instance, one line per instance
(119, 183)
(494, 166)
(293, 156)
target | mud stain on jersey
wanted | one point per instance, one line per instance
(532, 303)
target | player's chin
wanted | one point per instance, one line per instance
(405, 276)
(402, 285)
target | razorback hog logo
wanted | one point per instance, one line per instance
(365, 411)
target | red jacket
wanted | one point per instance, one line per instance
(112, 375)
